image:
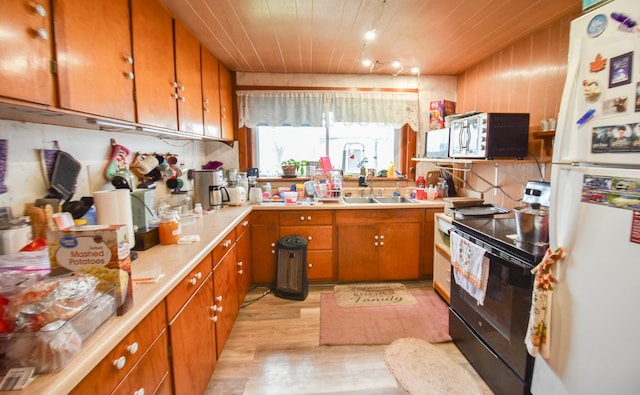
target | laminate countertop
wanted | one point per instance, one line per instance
(174, 262)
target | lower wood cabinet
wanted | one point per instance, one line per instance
(243, 258)
(225, 288)
(193, 341)
(264, 236)
(139, 361)
(379, 245)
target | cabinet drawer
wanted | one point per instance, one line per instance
(374, 217)
(264, 217)
(320, 265)
(150, 371)
(224, 246)
(318, 237)
(183, 291)
(106, 375)
(306, 217)
(242, 227)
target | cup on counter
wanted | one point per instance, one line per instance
(552, 123)
(421, 193)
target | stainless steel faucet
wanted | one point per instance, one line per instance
(370, 184)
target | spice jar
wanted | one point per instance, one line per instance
(169, 229)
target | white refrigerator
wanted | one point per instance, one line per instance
(594, 330)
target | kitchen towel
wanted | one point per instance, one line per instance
(471, 267)
(113, 207)
(538, 329)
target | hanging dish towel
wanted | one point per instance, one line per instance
(471, 267)
(537, 338)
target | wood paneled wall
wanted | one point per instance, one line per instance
(527, 76)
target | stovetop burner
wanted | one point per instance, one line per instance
(500, 232)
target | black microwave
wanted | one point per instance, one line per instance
(489, 135)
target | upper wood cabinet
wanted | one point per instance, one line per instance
(155, 82)
(189, 83)
(226, 103)
(210, 95)
(26, 51)
(94, 57)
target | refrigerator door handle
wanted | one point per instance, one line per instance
(565, 212)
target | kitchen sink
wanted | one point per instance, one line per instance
(359, 200)
(393, 199)
(377, 199)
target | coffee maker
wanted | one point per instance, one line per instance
(209, 189)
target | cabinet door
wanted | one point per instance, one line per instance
(226, 103)
(264, 236)
(399, 251)
(152, 29)
(94, 57)
(187, 55)
(225, 298)
(210, 95)
(193, 342)
(26, 51)
(320, 265)
(357, 253)
(243, 265)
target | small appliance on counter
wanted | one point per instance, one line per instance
(15, 233)
(207, 188)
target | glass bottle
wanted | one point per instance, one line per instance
(169, 229)
(243, 181)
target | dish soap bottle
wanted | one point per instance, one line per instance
(391, 171)
(431, 193)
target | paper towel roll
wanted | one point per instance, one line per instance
(113, 207)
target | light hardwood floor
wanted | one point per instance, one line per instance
(274, 349)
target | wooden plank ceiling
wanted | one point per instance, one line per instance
(441, 37)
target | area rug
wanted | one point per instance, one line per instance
(366, 295)
(426, 319)
(423, 369)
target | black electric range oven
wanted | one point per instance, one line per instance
(491, 336)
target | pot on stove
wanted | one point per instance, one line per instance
(532, 224)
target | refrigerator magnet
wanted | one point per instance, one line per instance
(597, 25)
(620, 70)
(591, 90)
(598, 64)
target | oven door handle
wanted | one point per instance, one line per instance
(509, 259)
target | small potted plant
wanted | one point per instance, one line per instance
(290, 167)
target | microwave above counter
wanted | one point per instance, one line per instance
(487, 135)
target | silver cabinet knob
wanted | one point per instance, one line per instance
(41, 33)
(39, 9)
(120, 362)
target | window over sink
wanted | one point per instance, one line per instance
(350, 146)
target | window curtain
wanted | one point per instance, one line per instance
(296, 108)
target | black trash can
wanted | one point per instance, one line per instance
(290, 280)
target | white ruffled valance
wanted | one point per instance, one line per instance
(296, 108)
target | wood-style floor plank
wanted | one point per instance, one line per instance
(274, 349)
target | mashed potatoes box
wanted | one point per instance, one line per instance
(100, 250)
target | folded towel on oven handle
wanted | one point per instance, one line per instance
(470, 266)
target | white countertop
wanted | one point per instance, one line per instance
(175, 262)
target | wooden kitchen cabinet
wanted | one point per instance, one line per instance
(226, 103)
(243, 258)
(264, 239)
(94, 57)
(225, 288)
(378, 245)
(154, 67)
(210, 94)
(192, 330)
(26, 51)
(442, 256)
(188, 78)
(139, 361)
(316, 226)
